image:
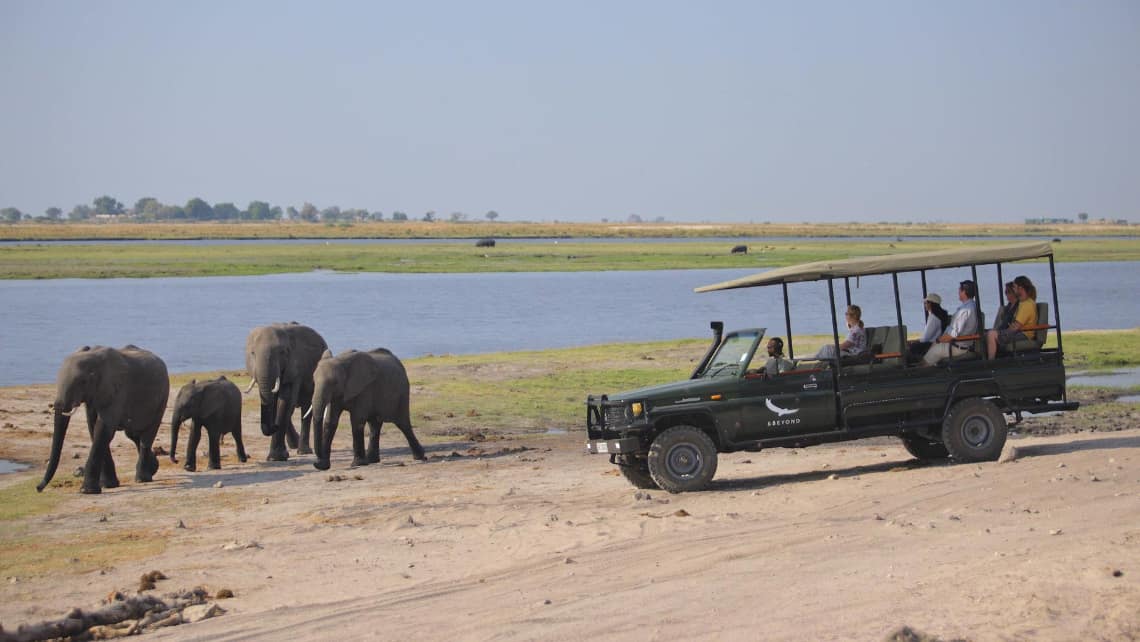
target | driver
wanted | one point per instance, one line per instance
(776, 362)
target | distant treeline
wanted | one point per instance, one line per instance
(149, 209)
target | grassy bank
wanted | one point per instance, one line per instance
(108, 260)
(507, 230)
(454, 395)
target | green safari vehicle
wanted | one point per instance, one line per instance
(668, 436)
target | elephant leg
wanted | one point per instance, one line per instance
(405, 426)
(358, 458)
(291, 436)
(147, 463)
(277, 450)
(215, 439)
(106, 466)
(303, 447)
(192, 446)
(98, 461)
(374, 440)
(238, 442)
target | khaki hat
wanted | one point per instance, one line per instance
(933, 298)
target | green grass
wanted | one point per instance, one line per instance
(21, 500)
(1099, 349)
(106, 260)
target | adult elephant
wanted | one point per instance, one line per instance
(123, 389)
(373, 388)
(281, 359)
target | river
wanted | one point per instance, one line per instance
(200, 324)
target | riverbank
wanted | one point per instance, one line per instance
(143, 260)
(518, 230)
(509, 531)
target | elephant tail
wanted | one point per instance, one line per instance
(62, 419)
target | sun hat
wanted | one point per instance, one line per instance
(933, 298)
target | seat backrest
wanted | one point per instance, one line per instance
(1042, 319)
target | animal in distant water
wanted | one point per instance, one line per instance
(122, 389)
(485, 243)
(281, 359)
(215, 405)
(373, 387)
(740, 249)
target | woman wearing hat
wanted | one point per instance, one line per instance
(936, 321)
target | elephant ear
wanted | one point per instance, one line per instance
(360, 373)
(111, 373)
(212, 401)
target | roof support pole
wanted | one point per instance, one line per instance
(898, 316)
(835, 342)
(1001, 287)
(1056, 307)
(788, 322)
(977, 296)
(922, 275)
(847, 288)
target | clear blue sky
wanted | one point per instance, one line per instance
(717, 111)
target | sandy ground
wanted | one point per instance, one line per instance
(529, 538)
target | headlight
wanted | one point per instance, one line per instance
(636, 408)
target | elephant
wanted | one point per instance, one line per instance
(214, 404)
(281, 359)
(373, 388)
(124, 389)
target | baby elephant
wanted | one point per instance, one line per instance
(217, 406)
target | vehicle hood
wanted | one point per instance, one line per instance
(674, 390)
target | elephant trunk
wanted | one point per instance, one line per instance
(322, 436)
(268, 408)
(175, 424)
(62, 419)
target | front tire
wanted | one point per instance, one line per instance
(923, 449)
(974, 430)
(682, 459)
(636, 472)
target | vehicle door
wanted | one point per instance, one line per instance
(797, 402)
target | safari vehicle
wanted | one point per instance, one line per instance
(668, 436)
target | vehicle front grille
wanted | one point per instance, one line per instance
(615, 416)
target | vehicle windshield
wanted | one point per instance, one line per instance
(733, 354)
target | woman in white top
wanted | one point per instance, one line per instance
(937, 319)
(856, 341)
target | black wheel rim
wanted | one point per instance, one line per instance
(977, 431)
(683, 461)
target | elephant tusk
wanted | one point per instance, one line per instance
(308, 413)
(277, 386)
(66, 414)
(252, 383)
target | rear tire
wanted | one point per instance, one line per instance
(924, 449)
(636, 472)
(974, 430)
(682, 459)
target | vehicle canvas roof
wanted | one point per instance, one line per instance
(887, 263)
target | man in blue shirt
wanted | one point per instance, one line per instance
(964, 323)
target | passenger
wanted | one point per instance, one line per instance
(776, 362)
(1026, 316)
(964, 323)
(937, 319)
(1007, 312)
(856, 341)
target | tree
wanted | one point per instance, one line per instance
(634, 218)
(198, 210)
(226, 212)
(399, 216)
(292, 214)
(429, 216)
(53, 213)
(330, 214)
(11, 215)
(457, 217)
(377, 215)
(1084, 216)
(309, 212)
(108, 206)
(170, 213)
(491, 216)
(259, 211)
(79, 213)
